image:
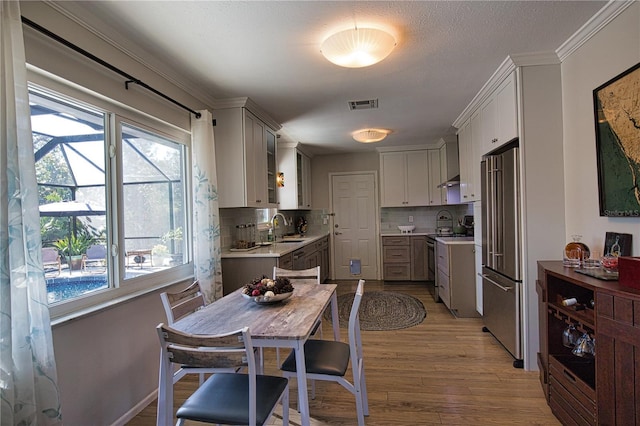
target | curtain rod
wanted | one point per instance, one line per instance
(105, 64)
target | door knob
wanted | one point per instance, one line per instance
(337, 233)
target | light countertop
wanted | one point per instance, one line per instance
(275, 249)
(396, 233)
(455, 240)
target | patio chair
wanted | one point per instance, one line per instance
(51, 259)
(226, 397)
(96, 255)
(329, 360)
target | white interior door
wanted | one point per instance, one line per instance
(354, 226)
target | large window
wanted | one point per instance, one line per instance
(113, 198)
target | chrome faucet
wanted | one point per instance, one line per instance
(273, 223)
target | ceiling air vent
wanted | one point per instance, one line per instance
(368, 104)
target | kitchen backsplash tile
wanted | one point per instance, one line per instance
(424, 218)
(319, 221)
(231, 217)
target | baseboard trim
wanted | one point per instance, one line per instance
(136, 409)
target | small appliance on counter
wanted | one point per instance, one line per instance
(444, 223)
(468, 223)
(245, 237)
(406, 229)
(301, 225)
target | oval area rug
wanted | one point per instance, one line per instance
(381, 310)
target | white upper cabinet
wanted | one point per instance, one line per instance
(490, 125)
(404, 178)
(499, 116)
(475, 157)
(437, 194)
(465, 152)
(507, 108)
(245, 159)
(296, 166)
(470, 145)
(270, 147)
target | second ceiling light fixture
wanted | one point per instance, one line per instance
(357, 48)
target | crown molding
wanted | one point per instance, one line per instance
(603, 17)
(407, 147)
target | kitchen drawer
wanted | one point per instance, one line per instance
(321, 244)
(569, 395)
(286, 261)
(444, 289)
(396, 254)
(395, 241)
(397, 271)
(442, 258)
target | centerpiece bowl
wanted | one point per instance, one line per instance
(267, 291)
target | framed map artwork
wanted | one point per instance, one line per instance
(617, 119)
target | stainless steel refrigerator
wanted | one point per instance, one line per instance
(501, 256)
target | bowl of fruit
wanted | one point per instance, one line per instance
(266, 291)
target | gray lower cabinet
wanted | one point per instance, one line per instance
(404, 258)
(238, 271)
(456, 278)
(419, 265)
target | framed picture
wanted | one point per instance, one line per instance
(619, 243)
(617, 120)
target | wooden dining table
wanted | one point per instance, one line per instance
(285, 324)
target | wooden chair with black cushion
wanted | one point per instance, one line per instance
(329, 360)
(309, 276)
(301, 277)
(225, 398)
(182, 303)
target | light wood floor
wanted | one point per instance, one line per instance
(445, 371)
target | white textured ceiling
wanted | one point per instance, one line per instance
(269, 51)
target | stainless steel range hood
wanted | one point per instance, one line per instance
(451, 182)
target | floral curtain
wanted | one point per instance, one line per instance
(28, 380)
(206, 219)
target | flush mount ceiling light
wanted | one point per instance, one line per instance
(358, 47)
(370, 135)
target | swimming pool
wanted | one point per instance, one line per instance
(63, 288)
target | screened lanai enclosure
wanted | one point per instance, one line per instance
(108, 187)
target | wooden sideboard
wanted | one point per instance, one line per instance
(605, 389)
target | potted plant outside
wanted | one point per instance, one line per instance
(173, 238)
(160, 255)
(73, 248)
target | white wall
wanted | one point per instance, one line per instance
(108, 362)
(612, 50)
(322, 165)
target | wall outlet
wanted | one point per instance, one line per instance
(410, 219)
